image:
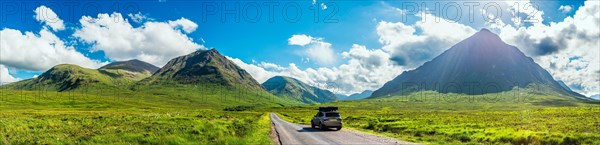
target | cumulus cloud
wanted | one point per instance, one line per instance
(5, 76)
(366, 69)
(185, 24)
(412, 49)
(565, 8)
(47, 16)
(267, 65)
(39, 52)
(314, 48)
(139, 18)
(367, 58)
(258, 72)
(568, 49)
(153, 42)
(300, 40)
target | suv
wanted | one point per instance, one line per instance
(327, 117)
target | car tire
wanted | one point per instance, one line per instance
(322, 127)
(339, 128)
(312, 125)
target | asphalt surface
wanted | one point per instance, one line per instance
(289, 133)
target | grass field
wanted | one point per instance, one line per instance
(433, 118)
(33, 117)
(184, 116)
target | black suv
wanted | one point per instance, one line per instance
(328, 117)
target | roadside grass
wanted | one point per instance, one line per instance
(432, 118)
(28, 117)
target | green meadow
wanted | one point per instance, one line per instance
(172, 115)
(37, 117)
(514, 117)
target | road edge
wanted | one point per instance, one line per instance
(274, 132)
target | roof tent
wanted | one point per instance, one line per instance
(328, 108)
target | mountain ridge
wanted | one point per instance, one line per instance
(356, 96)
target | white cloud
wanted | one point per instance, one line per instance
(314, 48)
(185, 24)
(139, 18)
(5, 76)
(367, 58)
(153, 42)
(321, 52)
(39, 52)
(300, 40)
(565, 8)
(568, 49)
(323, 6)
(259, 73)
(267, 65)
(45, 15)
(409, 48)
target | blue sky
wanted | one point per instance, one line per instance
(264, 48)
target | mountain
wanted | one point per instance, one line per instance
(290, 88)
(133, 65)
(207, 78)
(203, 67)
(66, 77)
(480, 64)
(357, 96)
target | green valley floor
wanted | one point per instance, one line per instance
(34, 117)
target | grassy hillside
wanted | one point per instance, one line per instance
(203, 67)
(209, 96)
(515, 117)
(293, 89)
(66, 77)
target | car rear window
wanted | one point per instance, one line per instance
(332, 114)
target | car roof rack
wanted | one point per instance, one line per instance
(328, 108)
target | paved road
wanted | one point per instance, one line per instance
(290, 133)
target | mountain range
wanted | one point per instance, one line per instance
(480, 64)
(297, 90)
(356, 96)
(66, 77)
(203, 78)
